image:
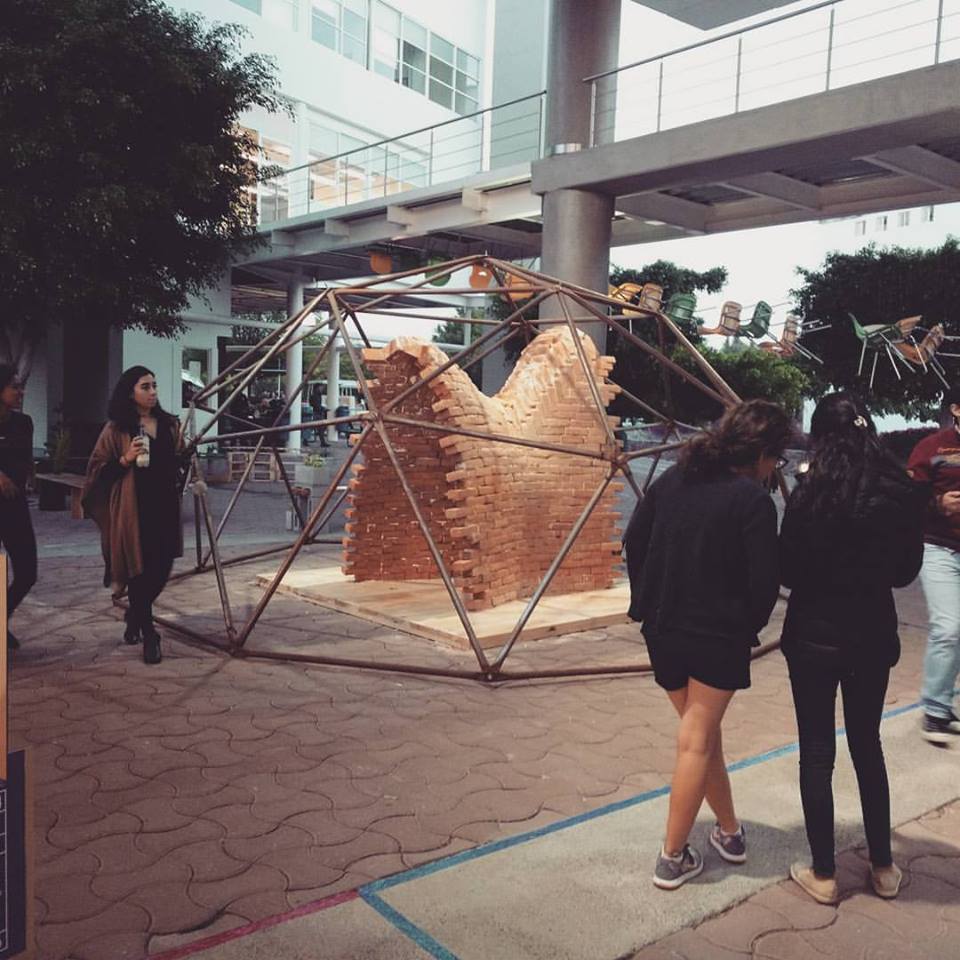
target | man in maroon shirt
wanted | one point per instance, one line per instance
(936, 460)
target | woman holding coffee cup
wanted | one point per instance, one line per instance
(133, 494)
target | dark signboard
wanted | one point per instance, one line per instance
(14, 898)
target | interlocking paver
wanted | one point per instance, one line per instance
(246, 785)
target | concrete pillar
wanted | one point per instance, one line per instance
(333, 389)
(576, 247)
(294, 373)
(584, 39)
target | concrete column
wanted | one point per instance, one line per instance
(333, 389)
(576, 247)
(584, 39)
(294, 374)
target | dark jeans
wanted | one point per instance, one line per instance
(16, 535)
(814, 696)
(146, 587)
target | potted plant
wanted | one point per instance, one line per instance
(53, 496)
(312, 472)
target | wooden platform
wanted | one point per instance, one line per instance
(423, 607)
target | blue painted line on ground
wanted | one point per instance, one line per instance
(370, 892)
(419, 936)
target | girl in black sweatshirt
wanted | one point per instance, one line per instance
(702, 560)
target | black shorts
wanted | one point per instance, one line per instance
(714, 661)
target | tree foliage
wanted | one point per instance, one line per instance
(880, 285)
(125, 175)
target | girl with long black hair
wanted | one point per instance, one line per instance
(853, 529)
(132, 492)
(16, 466)
(702, 560)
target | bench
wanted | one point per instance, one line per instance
(73, 482)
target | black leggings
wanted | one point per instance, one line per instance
(814, 697)
(146, 587)
(16, 535)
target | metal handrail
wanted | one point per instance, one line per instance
(709, 40)
(603, 124)
(411, 133)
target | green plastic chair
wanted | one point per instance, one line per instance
(759, 325)
(877, 337)
(680, 309)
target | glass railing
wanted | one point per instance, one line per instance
(822, 47)
(490, 139)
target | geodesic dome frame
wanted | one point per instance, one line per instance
(525, 291)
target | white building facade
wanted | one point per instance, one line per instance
(354, 73)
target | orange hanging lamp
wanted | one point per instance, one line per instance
(480, 276)
(380, 262)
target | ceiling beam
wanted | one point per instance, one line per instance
(922, 164)
(776, 186)
(676, 211)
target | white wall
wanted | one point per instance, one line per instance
(333, 85)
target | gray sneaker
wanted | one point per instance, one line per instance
(672, 872)
(731, 846)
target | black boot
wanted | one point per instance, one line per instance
(151, 645)
(132, 633)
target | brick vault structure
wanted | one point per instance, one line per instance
(501, 498)
(499, 512)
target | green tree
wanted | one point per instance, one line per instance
(126, 178)
(879, 285)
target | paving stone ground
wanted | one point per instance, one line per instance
(179, 800)
(783, 923)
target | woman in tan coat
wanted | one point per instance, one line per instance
(133, 494)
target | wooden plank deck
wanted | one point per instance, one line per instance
(423, 607)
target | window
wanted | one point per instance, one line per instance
(341, 25)
(441, 71)
(386, 42)
(253, 5)
(926, 215)
(274, 198)
(345, 179)
(414, 69)
(860, 228)
(405, 52)
(468, 83)
(194, 373)
(881, 223)
(903, 218)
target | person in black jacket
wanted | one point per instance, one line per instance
(16, 466)
(702, 561)
(853, 529)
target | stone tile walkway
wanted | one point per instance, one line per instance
(196, 796)
(783, 923)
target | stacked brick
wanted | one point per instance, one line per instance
(499, 512)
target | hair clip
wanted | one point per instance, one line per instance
(860, 422)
